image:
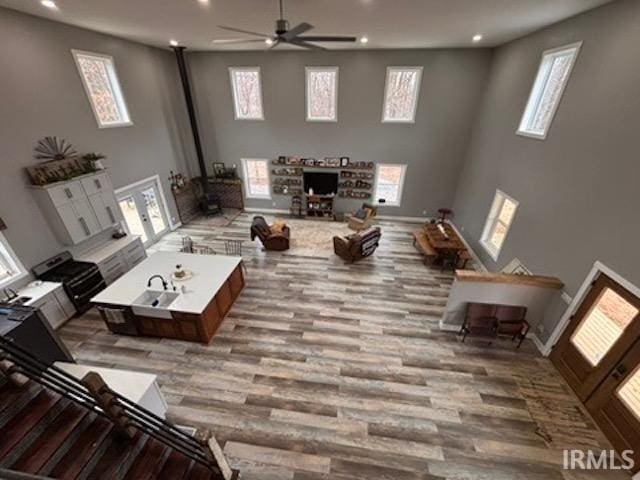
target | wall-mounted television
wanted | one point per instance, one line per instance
(322, 183)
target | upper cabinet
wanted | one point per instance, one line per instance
(81, 208)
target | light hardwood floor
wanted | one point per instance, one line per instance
(330, 371)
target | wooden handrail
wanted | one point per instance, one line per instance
(509, 279)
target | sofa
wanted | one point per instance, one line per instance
(363, 218)
(357, 246)
(275, 237)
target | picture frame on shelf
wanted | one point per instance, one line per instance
(332, 161)
(344, 161)
(218, 169)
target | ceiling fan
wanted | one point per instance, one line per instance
(284, 34)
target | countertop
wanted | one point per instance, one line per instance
(36, 292)
(210, 272)
(104, 251)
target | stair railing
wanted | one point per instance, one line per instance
(56, 379)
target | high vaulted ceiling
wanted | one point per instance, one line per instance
(387, 23)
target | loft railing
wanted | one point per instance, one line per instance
(53, 378)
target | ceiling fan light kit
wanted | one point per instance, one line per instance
(284, 34)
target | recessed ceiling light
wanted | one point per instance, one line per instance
(203, 2)
(476, 38)
(173, 43)
(364, 40)
(269, 41)
(49, 4)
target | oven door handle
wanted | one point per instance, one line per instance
(90, 293)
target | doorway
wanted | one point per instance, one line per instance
(599, 355)
(144, 210)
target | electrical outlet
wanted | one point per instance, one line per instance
(567, 298)
(540, 328)
(424, 212)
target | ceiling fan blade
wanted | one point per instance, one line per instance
(249, 32)
(231, 41)
(310, 46)
(297, 30)
(326, 39)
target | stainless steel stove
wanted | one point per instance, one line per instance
(81, 280)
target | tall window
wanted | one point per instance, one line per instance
(100, 80)
(247, 93)
(389, 183)
(322, 94)
(256, 178)
(401, 94)
(10, 267)
(551, 80)
(498, 223)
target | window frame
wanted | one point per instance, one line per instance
(116, 86)
(307, 71)
(403, 176)
(247, 186)
(538, 87)
(6, 250)
(492, 221)
(416, 99)
(234, 95)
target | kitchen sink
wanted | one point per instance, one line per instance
(19, 300)
(154, 303)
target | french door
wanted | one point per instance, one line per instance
(144, 212)
(599, 356)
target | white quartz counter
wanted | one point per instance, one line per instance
(105, 250)
(36, 290)
(210, 272)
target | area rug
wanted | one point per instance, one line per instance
(315, 237)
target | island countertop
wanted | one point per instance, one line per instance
(210, 272)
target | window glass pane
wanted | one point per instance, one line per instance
(257, 177)
(603, 325)
(388, 185)
(248, 97)
(498, 235)
(507, 211)
(629, 393)
(548, 88)
(551, 94)
(401, 94)
(101, 83)
(10, 266)
(153, 209)
(321, 91)
(132, 217)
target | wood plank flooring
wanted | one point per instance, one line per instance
(331, 371)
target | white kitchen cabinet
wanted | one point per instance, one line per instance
(52, 301)
(106, 209)
(116, 257)
(81, 208)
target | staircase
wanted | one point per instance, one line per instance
(54, 426)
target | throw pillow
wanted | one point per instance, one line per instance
(278, 226)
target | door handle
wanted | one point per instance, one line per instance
(111, 216)
(619, 372)
(85, 227)
(68, 193)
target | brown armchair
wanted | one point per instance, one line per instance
(271, 239)
(363, 218)
(357, 246)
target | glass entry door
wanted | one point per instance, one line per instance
(604, 327)
(144, 211)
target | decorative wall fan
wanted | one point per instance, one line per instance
(283, 34)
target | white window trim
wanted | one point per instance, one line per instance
(415, 100)
(492, 219)
(117, 90)
(307, 71)
(537, 88)
(234, 95)
(22, 272)
(398, 203)
(245, 171)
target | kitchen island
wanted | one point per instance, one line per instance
(190, 308)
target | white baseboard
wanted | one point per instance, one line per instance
(404, 219)
(449, 328)
(174, 226)
(539, 345)
(475, 257)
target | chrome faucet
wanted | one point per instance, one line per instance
(165, 285)
(10, 293)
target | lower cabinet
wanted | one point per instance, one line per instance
(120, 262)
(56, 307)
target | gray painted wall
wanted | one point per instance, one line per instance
(578, 189)
(433, 147)
(42, 94)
